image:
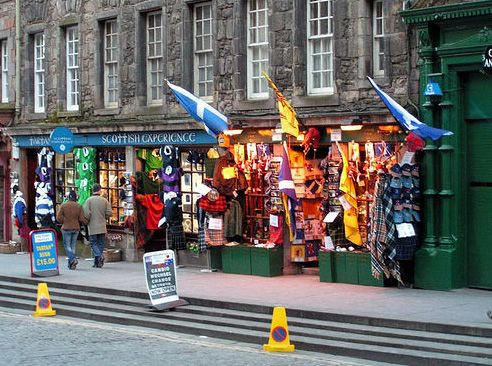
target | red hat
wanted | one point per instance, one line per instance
(414, 142)
(311, 139)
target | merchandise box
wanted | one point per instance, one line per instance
(267, 262)
(365, 272)
(326, 267)
(236, 259)
(215, 259)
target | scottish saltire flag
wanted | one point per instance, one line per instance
(287, 187)
(213, 121)
(406, 119)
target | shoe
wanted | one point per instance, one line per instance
(74, 263)
(489, 314)
(100, 262)
(96, 262)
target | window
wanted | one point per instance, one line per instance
(111, 167)
(192, 178)
(257, 48)
(72, 36)
(320, 47)
(110, 64)
(65, 177)
(378, 38)
(39, 73)
(5, 71)
(155, 74)
(204, 62)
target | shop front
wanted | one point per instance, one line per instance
(454, 43)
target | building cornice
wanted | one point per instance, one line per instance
(447, 12)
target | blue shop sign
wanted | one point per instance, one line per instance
(192, 137)
(61, 140)
(44, 253)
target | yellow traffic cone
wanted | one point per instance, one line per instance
(279, 333)
(43, 302)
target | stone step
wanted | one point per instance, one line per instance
(299, 327)
(339, 347)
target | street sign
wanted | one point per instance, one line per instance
(160, 275)
(44, 253)
(279, 334)
(62, 140)
(487, 60)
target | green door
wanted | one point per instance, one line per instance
(478, 119)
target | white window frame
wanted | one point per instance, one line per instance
(111, 54)
(155, 62)
(73, 74)
(258, 49)
(203, 52)
(39, 73)
(378, 38)
(320, 46)
(5, 70)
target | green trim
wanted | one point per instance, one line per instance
(447, 12)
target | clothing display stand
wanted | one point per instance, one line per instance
(209, 261)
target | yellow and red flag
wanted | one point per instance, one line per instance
(288, 119)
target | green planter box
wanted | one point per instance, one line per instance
(365, 276)
(267, 262)
(215, 257)
(346, 267)
(236, 259)
(326, 267)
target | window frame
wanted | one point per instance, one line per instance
(192, 170)
(61, 169)
(39, 72)
(158, 58)
(4, 70)
(72, 70)
(377, 39)
(206, 53)
(328, 35)
(259, 46)
(111, 66)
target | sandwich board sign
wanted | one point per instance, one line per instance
(160, 275)
(44, 253)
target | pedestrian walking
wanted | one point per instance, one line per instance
(71, 215)
(97, 210)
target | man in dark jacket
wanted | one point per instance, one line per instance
(71, 215)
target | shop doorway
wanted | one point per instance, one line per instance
(478, 126)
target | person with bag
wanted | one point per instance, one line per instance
(97, 210)
(71, 215)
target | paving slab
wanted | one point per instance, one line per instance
(461, 307)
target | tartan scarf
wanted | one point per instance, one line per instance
(382, 239)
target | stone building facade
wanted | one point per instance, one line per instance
(98, 66)
(7, 107)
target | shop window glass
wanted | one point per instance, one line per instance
(64, 177)
(111, 166)
(193, 176)
(320, 47)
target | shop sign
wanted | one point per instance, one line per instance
(61, 140)
(487, 60)
(160, 275)
(336, 135)
(44, 253)
(125, 139)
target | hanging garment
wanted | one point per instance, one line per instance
(19, 208)
(219, 205)
(173, 210)
(170, 156)
(350, 218)
(43, 208)
(214, 236)
(171, 178)
(154, 207)
(233, 219)
(152, 158)
(145, 185)
(277, 232)
(200, 216)
(175, 236)
(224, 186)
(382, 234)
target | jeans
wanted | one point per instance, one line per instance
(97, 244)
(70, 243)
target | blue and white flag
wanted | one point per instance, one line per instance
(213, 121)
(406, 119)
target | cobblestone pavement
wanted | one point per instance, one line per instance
(26, 340)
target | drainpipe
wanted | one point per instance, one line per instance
(17, 59)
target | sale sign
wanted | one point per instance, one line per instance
(44, 253)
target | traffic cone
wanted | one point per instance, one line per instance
(43, 302)
(279, 333)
